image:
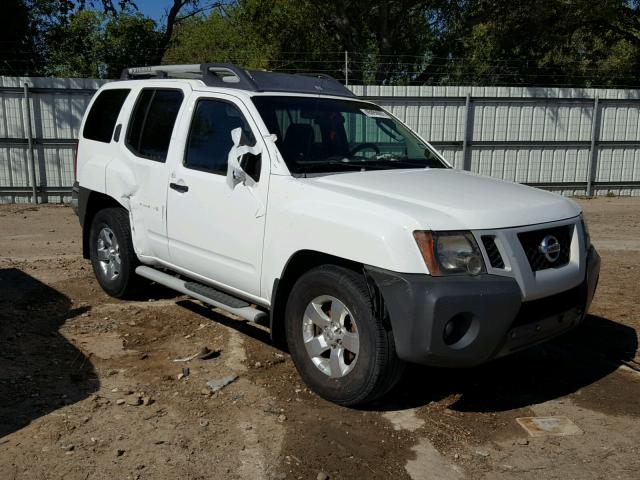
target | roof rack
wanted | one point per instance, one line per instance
(231, 76)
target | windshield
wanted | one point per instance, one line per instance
(329, 135)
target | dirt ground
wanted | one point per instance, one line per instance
(89, 388)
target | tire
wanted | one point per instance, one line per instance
(114, 263)
(338, 374)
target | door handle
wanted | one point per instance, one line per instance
(116, 134)
(179, 188)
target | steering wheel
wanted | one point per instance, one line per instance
(364, 146)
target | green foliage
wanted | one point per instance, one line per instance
(17, 47)
(75, 48)
(94, 44)
(387, 40)
(219, 37)
(130, 40)
(253, 33)
(539, 42)
(579, 43)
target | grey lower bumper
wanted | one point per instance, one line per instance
(497, 322)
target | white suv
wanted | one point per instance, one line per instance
(284, 199)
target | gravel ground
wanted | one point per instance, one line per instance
(89, 388)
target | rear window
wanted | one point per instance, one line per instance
(152, 123)
(103, 115)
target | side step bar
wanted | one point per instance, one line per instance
(204, 293)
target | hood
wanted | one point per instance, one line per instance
(449, 199)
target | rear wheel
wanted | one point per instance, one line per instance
(340, 347)
(112, 256)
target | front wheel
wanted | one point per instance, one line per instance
(112, 256)
(340, 347)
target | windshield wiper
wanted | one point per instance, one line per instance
(390, 160)
(390, 157)
(328, 164)
(381, 162)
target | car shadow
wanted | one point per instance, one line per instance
(148, 290)
(541, 373)
(545, 372)
(40, 370)
(245, 327)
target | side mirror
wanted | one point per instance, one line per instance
(244, 162)
(238, 175)
(251, 163)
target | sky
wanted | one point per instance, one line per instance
(153, 8)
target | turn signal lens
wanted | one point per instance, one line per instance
(450, 253)
(425, 244)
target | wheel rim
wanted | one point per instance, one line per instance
(109, 254)
(330, 336)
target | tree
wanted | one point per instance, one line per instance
(75, 47)
(94, 44)
(17, 47)
(122, 27)
(131, 40)
(387, 40)
(479, 42)
(222, 36)
(252, 33)
(537, 42)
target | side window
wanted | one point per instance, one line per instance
(104, 114)
(209, 141)
(152, 121)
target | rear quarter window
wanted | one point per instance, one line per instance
(103, 115)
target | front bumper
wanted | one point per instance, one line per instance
(497, 321)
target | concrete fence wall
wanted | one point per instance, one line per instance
(576, 141)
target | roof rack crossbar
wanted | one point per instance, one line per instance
(231, 76)
(212, 74)
(160, 71)
(227, 75)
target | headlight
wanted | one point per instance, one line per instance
(587, 236)
(450, 253)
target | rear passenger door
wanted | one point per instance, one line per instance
(215, 230)
(147, 144)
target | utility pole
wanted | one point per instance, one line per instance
(29, 135)
(346, 68)
(592, 166)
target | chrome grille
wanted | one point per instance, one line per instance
(532, 240)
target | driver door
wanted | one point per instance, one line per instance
(215, 227)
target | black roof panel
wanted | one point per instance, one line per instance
(228, 75)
